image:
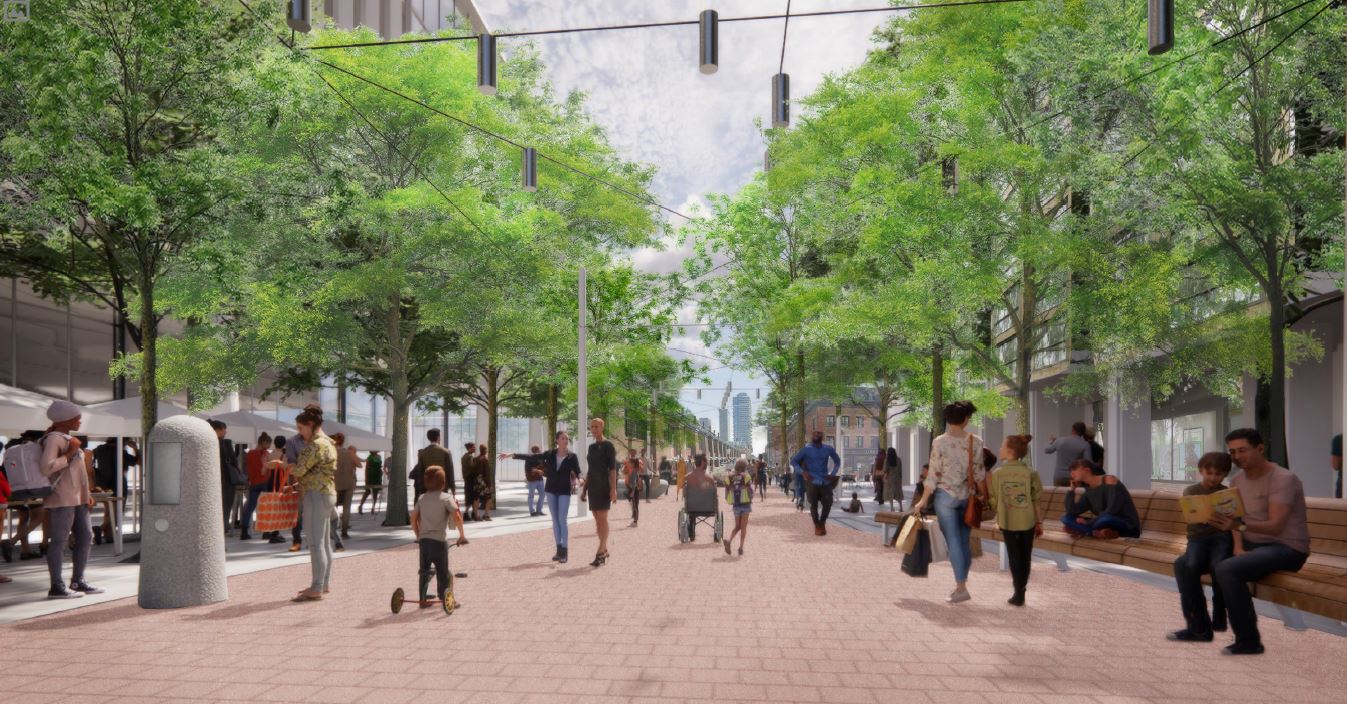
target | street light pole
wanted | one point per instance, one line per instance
(582, 393)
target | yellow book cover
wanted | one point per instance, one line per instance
(1199, 508)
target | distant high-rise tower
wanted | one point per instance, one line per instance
(724, 424)
(706, 424)
(743, 420)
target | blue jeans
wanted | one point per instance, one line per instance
(1103, 522)
(559, 505)
(1234, 574)
(949, 513)
(318, 534)
(1202, 556)
(536, 488)
(254, 495)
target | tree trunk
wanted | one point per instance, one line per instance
(149, 383)
(1276, 391)
(801, 401)
(397, 514)
(492, 377)
(937, 391)
(551, 412)
(1025, 339)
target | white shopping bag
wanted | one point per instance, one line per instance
(939, 550)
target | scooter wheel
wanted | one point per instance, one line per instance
(398, 598)
(449, 604)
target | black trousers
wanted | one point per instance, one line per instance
(434, 553)
(634, 495)
(819, 493)
(1019, 553)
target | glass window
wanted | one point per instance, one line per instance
(860, 422)
(846, 442)
(1177, 444)
(874, 442)
(832, 421)
(846, 421)
(831, 440)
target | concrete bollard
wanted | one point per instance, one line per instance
(182, 553)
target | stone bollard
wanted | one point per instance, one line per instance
(182, 553)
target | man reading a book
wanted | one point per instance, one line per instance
(1207, 547)
(1275, 535)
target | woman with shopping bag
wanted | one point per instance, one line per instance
(955, 480)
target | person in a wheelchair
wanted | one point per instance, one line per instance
(700, 503)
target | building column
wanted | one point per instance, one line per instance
(1127, 442)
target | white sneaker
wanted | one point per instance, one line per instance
(959, 595)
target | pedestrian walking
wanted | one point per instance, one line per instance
(255, 460)
(761, 477)
(893, 478)
(316, 473)
(877, 475)
(647, 474)
(600, 486)
(231, 477)
(484, 480)
(1013, 491)
(347, 464)
(1068, 450)
(69, 502)
(560, 468)
(739, 492)
(374, 479)
(953, 460)
(534, 474)
(275, 464)
(812, 462)
(469, 464)
(632, 470)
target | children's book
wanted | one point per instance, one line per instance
(1199, 508)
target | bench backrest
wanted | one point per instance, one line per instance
(1160, 515)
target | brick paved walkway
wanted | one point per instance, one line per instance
(798, 618)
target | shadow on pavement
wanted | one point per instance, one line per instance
(81, 617)
(236, 611)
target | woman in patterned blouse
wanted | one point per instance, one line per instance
(315, 473)
(953, 455)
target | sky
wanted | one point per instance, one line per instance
(701, 133)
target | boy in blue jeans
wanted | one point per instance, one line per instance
(1207, 547)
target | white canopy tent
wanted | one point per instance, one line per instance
(244, 426)
(122, 418)
(22, 410)
(362, 440)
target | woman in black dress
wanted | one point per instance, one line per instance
(600, 485)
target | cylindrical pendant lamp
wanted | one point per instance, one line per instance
(1160, 25)
(297, 15)
(781, 100)
(529, 169)
(709, 46)
(486, 64)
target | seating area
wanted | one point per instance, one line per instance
(1319, 588)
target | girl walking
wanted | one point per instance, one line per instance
(1013, 491)
(739, 492)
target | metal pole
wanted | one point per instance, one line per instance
(117, 503)
(582, 392)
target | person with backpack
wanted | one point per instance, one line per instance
(739, 492)
(70, 500)
(17, 477)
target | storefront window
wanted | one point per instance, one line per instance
(1177, 444)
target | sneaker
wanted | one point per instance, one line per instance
(1016, 599)
(1187, 636)
(959, 595)
(1105, 534)
(59, 592)
(84, 587)
(275, 539)
(1238, 648)
(245, 536)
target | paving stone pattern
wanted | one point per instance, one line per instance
(798, 618)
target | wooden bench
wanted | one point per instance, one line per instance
(1320, 587)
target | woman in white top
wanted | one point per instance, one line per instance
(952, 456)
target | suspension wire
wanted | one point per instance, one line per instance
(785, 27)
(672, 23)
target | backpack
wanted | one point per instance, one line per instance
(23, 466)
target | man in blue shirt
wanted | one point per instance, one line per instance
(812, 462)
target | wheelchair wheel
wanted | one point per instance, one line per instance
(398, 597)
(720, 526)
(682, 525)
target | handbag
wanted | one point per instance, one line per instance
(918, 562)
(907, 536)
(276, 509)
(972, 512)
